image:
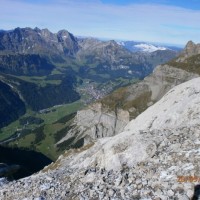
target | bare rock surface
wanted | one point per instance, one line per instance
(97, 122)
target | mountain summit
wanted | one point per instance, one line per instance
(191, 49)
(35, 41)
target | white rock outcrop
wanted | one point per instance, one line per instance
(97, 122)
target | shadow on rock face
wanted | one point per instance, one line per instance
(196, 193)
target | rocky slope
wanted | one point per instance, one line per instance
(155, 157)
(131, 100)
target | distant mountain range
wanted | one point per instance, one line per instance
(65, 49)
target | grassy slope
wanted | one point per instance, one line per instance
(46, 133)
(191, 64)
(119, 99)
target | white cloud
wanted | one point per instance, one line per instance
(133, 22)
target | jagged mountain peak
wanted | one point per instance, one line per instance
(38, 41)
(46, 33)
(37, 29)
(112, 42)
(190, 43)
(64, 33)
(68, 41)
(191, 49)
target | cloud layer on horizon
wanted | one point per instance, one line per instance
(149, 22)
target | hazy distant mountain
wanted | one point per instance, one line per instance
(112, 57)
(86, 53)
(105, 56)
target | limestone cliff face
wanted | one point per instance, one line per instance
(155, 157)
(164, 78)
(97, 122)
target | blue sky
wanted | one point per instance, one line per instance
(191, 4)
(165, 21)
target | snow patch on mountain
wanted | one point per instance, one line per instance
(145, 47)
(149, 47)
